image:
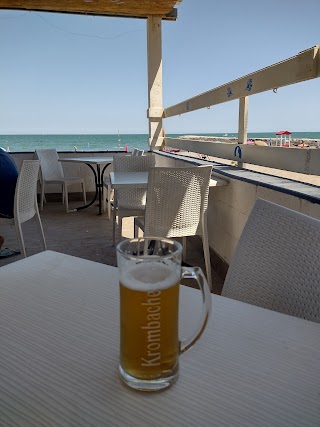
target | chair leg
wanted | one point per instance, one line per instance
(20, 236)
(136, 229)
(66, 197)
(109, 192)
(184, 247)
(104, 201)
(206, 253)
(41, 230)
(105, 198)
(84, 193)
(42, 196)
(62, 193)
(120, 217)
(114, 223)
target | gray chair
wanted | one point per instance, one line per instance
(276, 264)
(52, 173)
(130, 201)
(137, 152)
(177, 202)
(25, 202)
(108, 197)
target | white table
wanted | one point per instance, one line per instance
(123, 179)
(99, 162)
(59, 325)
(140, 179)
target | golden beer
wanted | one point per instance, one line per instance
(149, 302)
(150, 272)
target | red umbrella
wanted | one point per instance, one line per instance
(283, 132)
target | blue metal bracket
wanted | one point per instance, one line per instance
(237, 150)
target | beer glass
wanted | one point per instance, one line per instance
(150, 273)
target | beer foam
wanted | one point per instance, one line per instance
(148, 276)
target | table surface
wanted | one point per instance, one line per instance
(122, 179)
(91, 160)
(59, 335)
(119, 179)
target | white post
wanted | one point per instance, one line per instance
(243, 120)
(243, 123)
(155, 111)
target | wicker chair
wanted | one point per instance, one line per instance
(108, 197)
(52, 173)
(25, 201)
(130, 202)
(177, 201)
(137, 152)
(276, 264)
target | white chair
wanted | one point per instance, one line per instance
(25, 201)
(177, 201)
(131, 201)
(276, 264)
(137, 152)
(108, 198)
(52, 173)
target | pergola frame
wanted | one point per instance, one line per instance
(154, 11)
(117, 8)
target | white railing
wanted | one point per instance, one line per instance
(305, 161)
(302, 67)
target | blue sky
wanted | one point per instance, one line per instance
(78, 74)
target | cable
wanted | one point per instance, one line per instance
(85, 35)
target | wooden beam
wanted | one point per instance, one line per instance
(304, 66)
(155, 111)
(123, 8)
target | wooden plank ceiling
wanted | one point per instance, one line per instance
(123, 8)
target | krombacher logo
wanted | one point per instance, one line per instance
(153, 328)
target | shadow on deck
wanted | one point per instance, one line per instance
(87, 235)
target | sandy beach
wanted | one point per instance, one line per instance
(295, 142)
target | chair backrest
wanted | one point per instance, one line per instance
(25, 200)
(276, 263)
(137, 152)
(125, 163)
(132, 198)
(51, 168)
(177, 200)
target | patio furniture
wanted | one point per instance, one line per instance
(177, 201)
(101, 164)
(130, 200)
(108, 198)
(137, 152)
(25, 202)
(276, 264)
(121, 180)
(52, 173)
(59, 356)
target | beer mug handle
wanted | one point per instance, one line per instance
(197, 274)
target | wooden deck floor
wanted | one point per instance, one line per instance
(87, 235)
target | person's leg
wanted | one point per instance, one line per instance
(1, 242)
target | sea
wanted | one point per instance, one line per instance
(109, 142)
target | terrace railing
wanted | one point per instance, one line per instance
(299, 68)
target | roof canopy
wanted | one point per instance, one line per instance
(120, 8)
(283, 132)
